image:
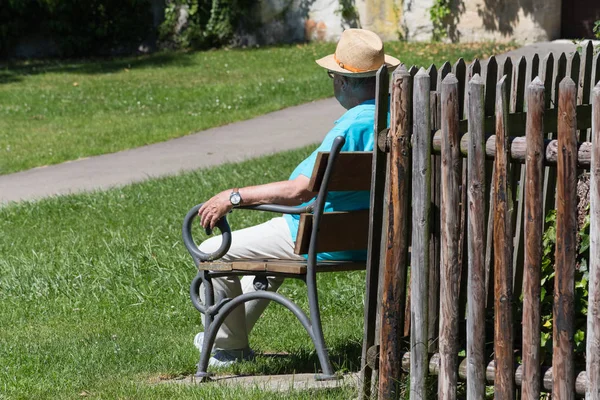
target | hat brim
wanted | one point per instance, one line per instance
(329, 63)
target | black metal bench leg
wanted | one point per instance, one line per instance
(209, 297)
(204, 278)
(225, 309)
(317, 337)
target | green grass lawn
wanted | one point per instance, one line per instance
(54, 111)
(94, 295)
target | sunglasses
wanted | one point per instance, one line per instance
(331, 74)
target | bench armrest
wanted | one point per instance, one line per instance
(199, 256)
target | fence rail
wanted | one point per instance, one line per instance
(478, 154)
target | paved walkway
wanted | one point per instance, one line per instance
(277, 131)
(272, 383)
(281, 130)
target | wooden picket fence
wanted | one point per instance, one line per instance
(466, 219)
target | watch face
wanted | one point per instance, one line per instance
(235, 198)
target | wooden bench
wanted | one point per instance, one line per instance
(318, 232)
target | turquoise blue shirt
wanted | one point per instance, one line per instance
(356, 126)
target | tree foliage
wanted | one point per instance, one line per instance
(78, 27)
(204, 23)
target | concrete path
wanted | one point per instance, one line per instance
(277, 131)
(272, 383)
(281, 130)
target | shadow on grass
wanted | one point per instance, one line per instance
(344, 357)
(14, 71)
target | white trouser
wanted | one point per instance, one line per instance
(271, 240)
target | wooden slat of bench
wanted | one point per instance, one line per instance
(352, 172)
(279, 266)
(339, 231)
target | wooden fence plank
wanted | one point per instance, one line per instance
(434, 284)
(375, 231)
(491, 77)
(533, 235)
(434, 246)
(596, 70)
(573, 68)
(593, 316)
(585, 80)
(407, 298)
(507, 70)
(459, 69)
(566, 244)
(450, 267)
(474, 68)
(394, 279)
(533, 70)
(546, 76)
(518, 180)
(445, 69)
(585, 75)
(476, 242)
(559, 74)
(519, 80)
(574, 71)
(421, 190)
(503, 323)
(433, 73)
(550, 173)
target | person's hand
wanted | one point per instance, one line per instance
(214, 209)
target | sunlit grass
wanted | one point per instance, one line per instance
(53, 111)
(94, 294)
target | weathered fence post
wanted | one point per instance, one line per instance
(375, 234)
(476, 291)
(394, 276)
(566, 243)
(593, 317)
(503, 245)
(434, 281)
(491, 76)
(534, 223)
(421, 189)
(450, 226)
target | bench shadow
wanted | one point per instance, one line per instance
(344, 357)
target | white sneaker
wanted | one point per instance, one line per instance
(226, 358)
(199, 342)
(223, 358)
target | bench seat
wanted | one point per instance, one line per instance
(278, 266)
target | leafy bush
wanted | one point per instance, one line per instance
(79, 27)
(581, 285)
(205, 23)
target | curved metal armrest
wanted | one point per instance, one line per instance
(191, 245)
(225, 229)
(276, 208)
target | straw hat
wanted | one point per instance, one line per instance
(359, 53)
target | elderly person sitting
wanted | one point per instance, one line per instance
(358, 56)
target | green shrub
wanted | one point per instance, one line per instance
(210, 23)
(581, 285)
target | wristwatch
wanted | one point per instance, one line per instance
(235, 197)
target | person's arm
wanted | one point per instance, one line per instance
(290, 193)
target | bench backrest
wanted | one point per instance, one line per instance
(338, 230)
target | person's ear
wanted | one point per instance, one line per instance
(344, 83)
